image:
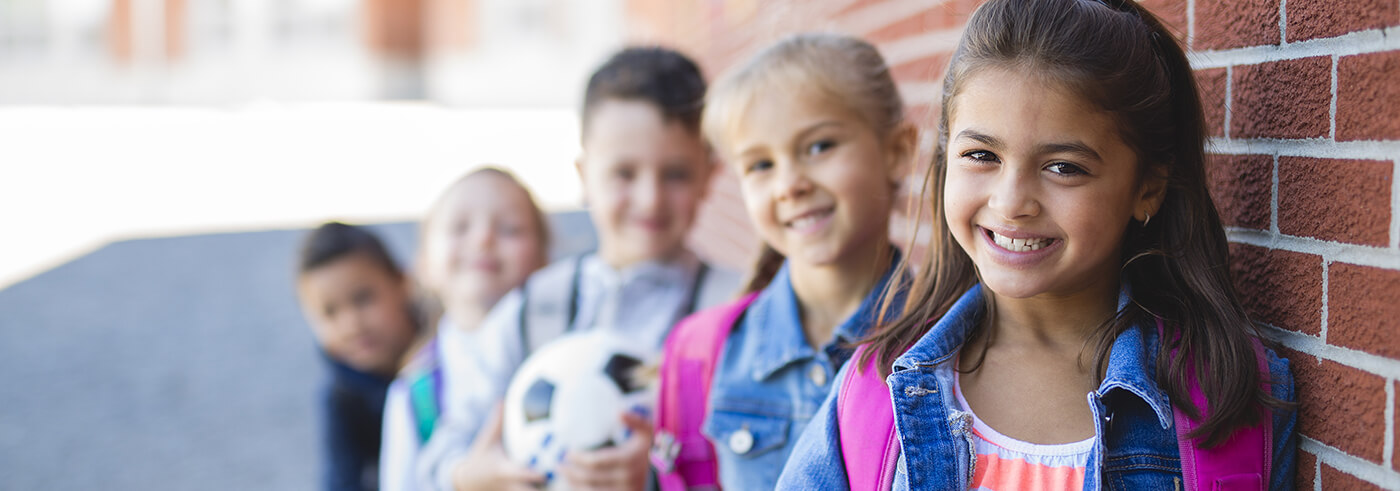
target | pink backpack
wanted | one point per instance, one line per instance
(681, 454)
(865, 413)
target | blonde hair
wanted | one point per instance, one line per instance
(843, 69)
(541, 224)
(840, 69)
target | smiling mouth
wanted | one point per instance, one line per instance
(1019, 245)
(808, 219)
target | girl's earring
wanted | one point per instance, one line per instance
(1145, 220)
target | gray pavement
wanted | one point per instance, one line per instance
(172, 363)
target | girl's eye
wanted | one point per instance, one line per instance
(677, 175)
(759, 165)
(510, 230)
(981, 155)
(1065, 169)
(820, 146)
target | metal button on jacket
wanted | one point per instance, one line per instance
(741, 441)
(818, 375)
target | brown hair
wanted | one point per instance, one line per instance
(660, 76)
(843, 69)
(1118, 56)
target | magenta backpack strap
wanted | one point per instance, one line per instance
(865, 418)
(1243, 462)
(681, 455)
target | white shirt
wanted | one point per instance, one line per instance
(641, 302)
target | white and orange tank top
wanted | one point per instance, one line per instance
(1005, 463)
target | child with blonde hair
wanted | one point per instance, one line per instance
(814, 127)
(480, 239)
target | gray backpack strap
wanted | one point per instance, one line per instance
(714, 286)
(549, 303)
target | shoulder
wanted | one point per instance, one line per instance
(556, 275)
(706, 326)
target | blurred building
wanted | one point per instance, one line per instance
(504, 53)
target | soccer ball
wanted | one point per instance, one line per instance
(569, 396)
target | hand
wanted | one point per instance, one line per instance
(620, 468)
(486, 467)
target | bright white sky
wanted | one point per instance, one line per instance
(72, 179)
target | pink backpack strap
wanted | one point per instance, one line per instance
(681, 454)
(1243, 462)
(865, 418)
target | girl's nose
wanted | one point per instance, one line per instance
(792, 181)
(1013, 194)
(483, 236)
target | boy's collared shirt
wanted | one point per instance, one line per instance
(1135, 446)
(769, 382)
(641, 302)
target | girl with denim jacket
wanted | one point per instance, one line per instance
(1078, 254)
(814, 127)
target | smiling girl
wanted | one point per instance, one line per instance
(1078, 257)
(815, 130)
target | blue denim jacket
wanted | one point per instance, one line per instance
(1135, 445)
(769, 382)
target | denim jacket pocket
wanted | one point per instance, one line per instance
(746, 435)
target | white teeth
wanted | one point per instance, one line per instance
(802, 222)
(1019, 245)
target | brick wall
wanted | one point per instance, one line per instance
(1303, 103)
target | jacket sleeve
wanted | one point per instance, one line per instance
(1285, 425)
(816, 461)
(475, 380)
(400, 442)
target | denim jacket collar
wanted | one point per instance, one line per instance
(777, 319)
(1131, 360)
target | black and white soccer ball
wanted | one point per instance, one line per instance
(569, 396)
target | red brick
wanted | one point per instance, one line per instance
(857, 5)
(1311, 19)
(925, 116)
(1172, 13)
(1341, 406)
(1281, 288)
(1307, 470)
(1363, 304)
(946, 15)
(1227, 24)
(1242, 187)
(1333, 479)
(927, 69)
(1212, 85)
(1282, 99)
(1368, 97)
(1333, 199)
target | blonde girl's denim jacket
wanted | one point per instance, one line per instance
(1135, 444)
(769, 382)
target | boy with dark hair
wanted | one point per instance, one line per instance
(358, 304)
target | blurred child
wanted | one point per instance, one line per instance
(644, 170)
(481, 239)
(814, 128)
(1077, 257)
(357, 301)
